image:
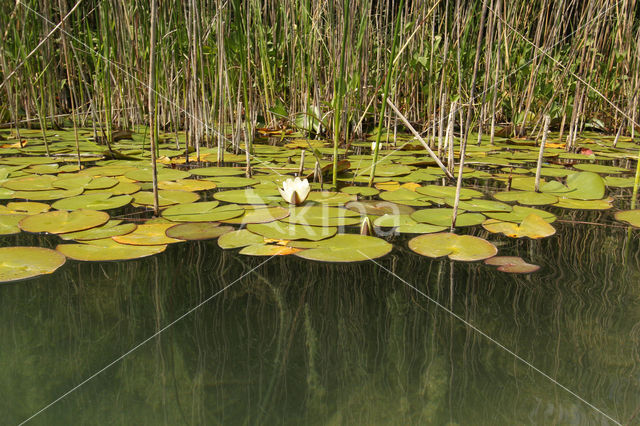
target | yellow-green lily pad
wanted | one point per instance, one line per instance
(444, 216)
(197, 231)
(240, 238)
(290, 231)
(97, 201)
(532, 226)
(9, 223)
(378, 208)
(457, 247)
(343, 248)
(322, 216)
(529, 198)
(24, 207)
(111, 252)
(249, 196)
(166, 197)
(62, 221)
(191, 185)
(406, 196)
(19, 263)
(567, 203)
(519, 213)
(147, 235)
(259, 214)
(110, 229)
(31, 183)
(632, 217)
(47, 195)
(207, 211)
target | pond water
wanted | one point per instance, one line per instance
(200, 335)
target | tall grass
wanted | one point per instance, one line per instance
(225, 67)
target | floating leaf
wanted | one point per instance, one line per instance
(24, 207)
(443, 217)
(166, 197)
(97, 201)
(268, 250)
(599, 168)
(60, 222)
(529, 198)
(567, 203)
(632, 217)
(344, 248)
(393, 220)
(291, 231)
(197, 231)
(448, 191)
(406, 196)
(147, 235)
(146, 175)
(110, 229)
(512, 264)
(218, 171)
(9, 223)
(533, 226)
(519, 213)
(47, 195)
(19, 263)
(190, 185)
(31, 183)
(6, 194)
(585, 186)
(331, 198)
(249, 196)
(241, 238)
(322, 216)
(365, 191)
(234, 181)
(102, 252)
(479, 205)
(457, 247)
(378, 208)
(207, 211)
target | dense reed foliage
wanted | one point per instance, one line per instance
(224, 68)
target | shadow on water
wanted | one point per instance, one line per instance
(297, 342)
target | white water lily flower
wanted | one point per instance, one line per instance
(295, 191)
(373, 146)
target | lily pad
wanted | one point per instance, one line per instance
(207, 211)
(197, 231)
(241, 238)
(249, 196)
(97, 201)
(331, 198)
(187, 185)
(406, 196)
(259, 214)
(110, 229)
(61, 221)
(234, 181)
(443, 217)
(19, 263)
(529, 198)
(268, 250)
(479, 205)
(533, 226)
(457, 247)
(218, 171)
(519, 213)
(31, 183)
(448, 191)
(344, 248)
(599, 168)
(585, 186)
(146, 175)
(166, 197)
(378, 208)
(147, 235)
(512, 264)
(567, 203)
(290, 231)
(47, 195)
(111, 252)
(632, 217)
(9, 223)
(365, 191)
(322, 216)
(24, 207)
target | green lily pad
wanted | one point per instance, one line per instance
(457, 247)
(365, 191)
(529, 198)
(378, 208)
(24, 207)
(207, 211)
(19, 263)
(249, 196)
(197, 231)
(6, 194)
(479, 205)
(619, 182)
(268, 250)
(234, 181)
(190, 185)
(110, 229)
(519, 213)
(443, 217)
(9, 223)
(322, 216)
(405, 196)
(146, 175)
(599, 168)
(31, 183)
(61, 221)
(112, 252)
(97, 201)
(632, 217)
(343, 248)
(448, 191)
(512, 264)
(532, 226)
(419, 228)
(290, 231)
(84, 181)
(148, 234)
(166, 197)
(259, 214)
(47, 195)
(585, 186)
(567, 203)
(331, 198)
(122, 188)
(218, 171)
(241, 238)
(393, 220)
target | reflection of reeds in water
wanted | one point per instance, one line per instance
(302, 342)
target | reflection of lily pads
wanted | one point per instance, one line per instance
(457, 247)
(61, 221)
(207, 211)
(443, 217)
(632, 217)
(19, 263)
(512, 264)
(378, 208)
(197, 231)
(291, 231)
(97, 201)
(114, 251)
(344, 248)
(533, 226)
